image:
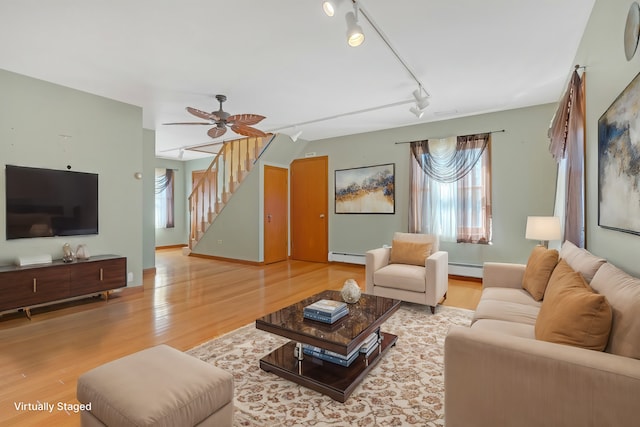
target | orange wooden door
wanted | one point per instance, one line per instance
(309, 209)
(276, 189)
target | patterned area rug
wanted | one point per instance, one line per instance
(405, 388)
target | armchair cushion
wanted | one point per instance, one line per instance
(406, 252)
(401, 276)
(540, 265)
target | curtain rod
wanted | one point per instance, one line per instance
(493, 131)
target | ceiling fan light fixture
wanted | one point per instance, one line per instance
(355, 35)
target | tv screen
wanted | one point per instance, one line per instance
(48, 202)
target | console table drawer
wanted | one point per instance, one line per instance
(33, 286)
(98, 276)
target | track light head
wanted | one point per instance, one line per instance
(296, 135)
(355, 35)
(422, 101)
(417, 111)
(329, 7)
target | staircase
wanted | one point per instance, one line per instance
(222, 178)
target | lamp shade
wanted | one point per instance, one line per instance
(543, 228)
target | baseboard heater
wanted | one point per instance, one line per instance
(455, 268)
(347, 258)
(465, 270)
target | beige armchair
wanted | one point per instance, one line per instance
(412, 270)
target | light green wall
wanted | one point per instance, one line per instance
(607, 74)
(178, 234)
(148, 210)
(103, 137)
(237, 232)
(523, 181)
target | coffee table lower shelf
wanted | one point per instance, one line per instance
(337, 382)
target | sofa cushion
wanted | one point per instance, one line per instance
(572, 313)
(401, 276)
(404, 252)
(623, 293)
(507, 311)
(581, 260)
(519, 296)
(539, 267)
(502, 326)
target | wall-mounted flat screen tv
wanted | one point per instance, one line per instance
(47, 202)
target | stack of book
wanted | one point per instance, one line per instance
(327, 311)
(370, 345)
(329, 356)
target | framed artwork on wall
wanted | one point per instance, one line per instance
(619, 162)
(365, 190)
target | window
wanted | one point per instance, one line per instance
(450, 188)
(164, 198)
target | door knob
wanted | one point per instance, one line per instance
(321, 215)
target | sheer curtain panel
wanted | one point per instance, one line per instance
(450, 188)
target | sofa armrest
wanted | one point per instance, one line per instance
(502, 274)
(375, 259)
(494, 379)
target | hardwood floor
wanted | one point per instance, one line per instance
(189, 301)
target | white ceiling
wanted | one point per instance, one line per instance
(286, 60)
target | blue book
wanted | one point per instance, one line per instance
(330, 356)
(325, 318)
(326, 306)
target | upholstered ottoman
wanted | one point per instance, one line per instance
(159, 386)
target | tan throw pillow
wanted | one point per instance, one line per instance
(539, 267)
(572, 314)
(403, 252)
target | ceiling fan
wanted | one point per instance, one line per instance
(239, 123)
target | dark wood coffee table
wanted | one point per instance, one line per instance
(345, 335)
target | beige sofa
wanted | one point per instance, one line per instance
(498, 374)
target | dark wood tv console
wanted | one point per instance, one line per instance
(33, 285)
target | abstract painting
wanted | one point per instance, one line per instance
(365, 190)
(619, 162)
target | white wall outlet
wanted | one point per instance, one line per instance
(130, 277)
(219, 241)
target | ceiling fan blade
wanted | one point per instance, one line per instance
(203, 114)
(189, 123)
(216, 131)
(245, 119)
(247, 130)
